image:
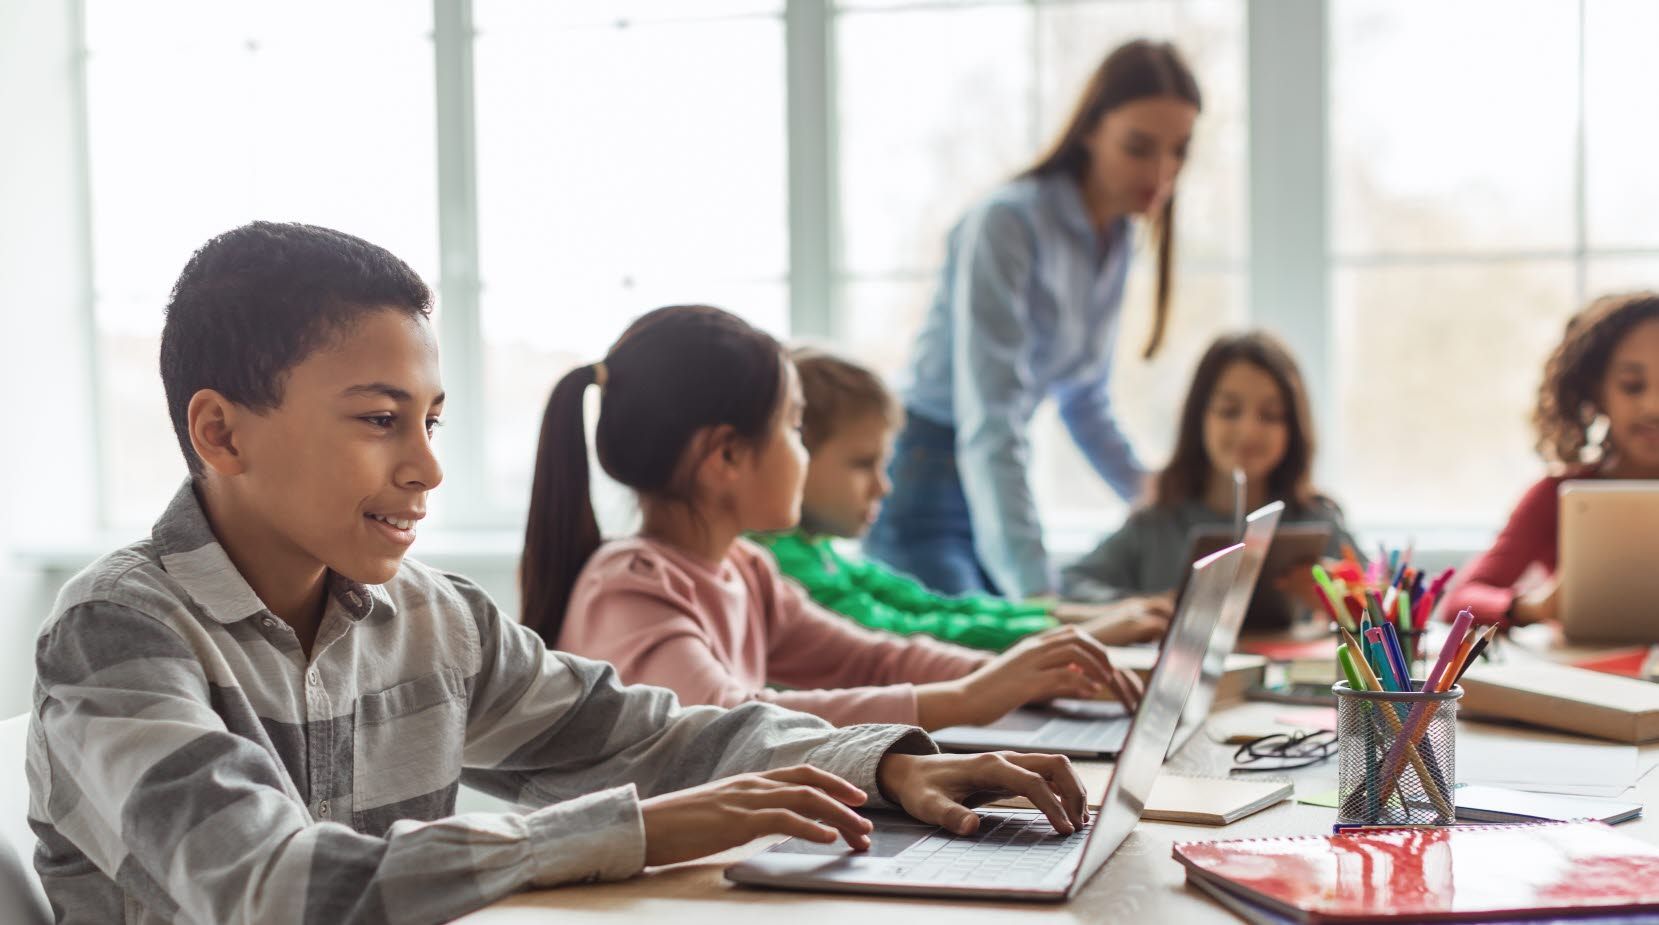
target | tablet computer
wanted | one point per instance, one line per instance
(1295, 545)
(1608, 543)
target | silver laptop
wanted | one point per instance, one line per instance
(1016, 854)
(1095, 728)
(1258, 539)
(1609, 541)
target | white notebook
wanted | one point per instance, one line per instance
(1476, 803)
(1177, 798)
(1211, 800)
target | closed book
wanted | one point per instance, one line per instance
(1456, 873)
(1182, 798)
(1476, 803)
(1211, 800)
(1562, 697)
(1257, 914)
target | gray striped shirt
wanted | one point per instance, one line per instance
(186, 763)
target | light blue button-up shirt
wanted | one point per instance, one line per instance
(1027, 307)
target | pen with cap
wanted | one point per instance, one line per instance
(1438, 680)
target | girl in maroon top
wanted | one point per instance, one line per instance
(1597, 417)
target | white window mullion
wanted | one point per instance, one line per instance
(459, 328)
(813, 224)
(1289, 196)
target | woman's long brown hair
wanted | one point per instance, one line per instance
(1189, 470)
(1133, 71)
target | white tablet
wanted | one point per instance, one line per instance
(1609, 561)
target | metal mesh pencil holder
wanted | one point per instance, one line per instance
(1397, 755)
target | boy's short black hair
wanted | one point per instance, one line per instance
(257, 300)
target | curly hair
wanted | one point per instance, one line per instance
(1569, 399)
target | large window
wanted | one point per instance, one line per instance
(630, 156)
(938, 104)
(204, 116)
(1482, 192)
(599, 158)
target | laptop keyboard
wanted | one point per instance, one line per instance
(1007, 848)
(1082, 734)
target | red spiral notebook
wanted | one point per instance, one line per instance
(1462, 873)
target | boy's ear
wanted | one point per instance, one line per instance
(212, 420)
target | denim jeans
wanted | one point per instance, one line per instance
(924, 528)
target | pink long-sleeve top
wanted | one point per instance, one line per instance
(1487, 586)
(721, 635)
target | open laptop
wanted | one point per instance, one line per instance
(1609, 589)
(1016, 854)
(1295, 545)
(1097, 728)
(1259, 537)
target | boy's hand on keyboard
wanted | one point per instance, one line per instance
(1063, 662)
(940, 788)
(802, 801)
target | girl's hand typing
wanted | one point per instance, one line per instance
(1064, 662)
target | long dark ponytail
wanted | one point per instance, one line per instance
(674, 372)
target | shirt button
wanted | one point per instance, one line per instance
(314, 677)
(322, 808)
(268, 622)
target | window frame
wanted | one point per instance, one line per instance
(1289, 262)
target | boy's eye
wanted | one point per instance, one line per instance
(382, 421)
(432, 425)
(1633, 387)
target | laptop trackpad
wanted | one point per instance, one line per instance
(885, 842)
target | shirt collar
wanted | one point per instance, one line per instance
(1065, 197)
(191, 554)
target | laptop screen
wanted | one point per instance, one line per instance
(1258, 539)
(1171, 681)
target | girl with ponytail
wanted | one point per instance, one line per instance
(699, 415)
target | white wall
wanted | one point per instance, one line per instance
(43, 303)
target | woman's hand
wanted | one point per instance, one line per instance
(941, 788)
(1121, 623)
(801, 801)
(1063, 662)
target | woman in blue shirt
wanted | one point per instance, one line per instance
(1027, 307)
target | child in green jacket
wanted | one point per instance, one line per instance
(848, 427)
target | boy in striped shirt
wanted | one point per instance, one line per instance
(263, 711)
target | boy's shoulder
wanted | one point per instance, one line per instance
(131, 577)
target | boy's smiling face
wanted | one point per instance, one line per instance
(338, 473)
